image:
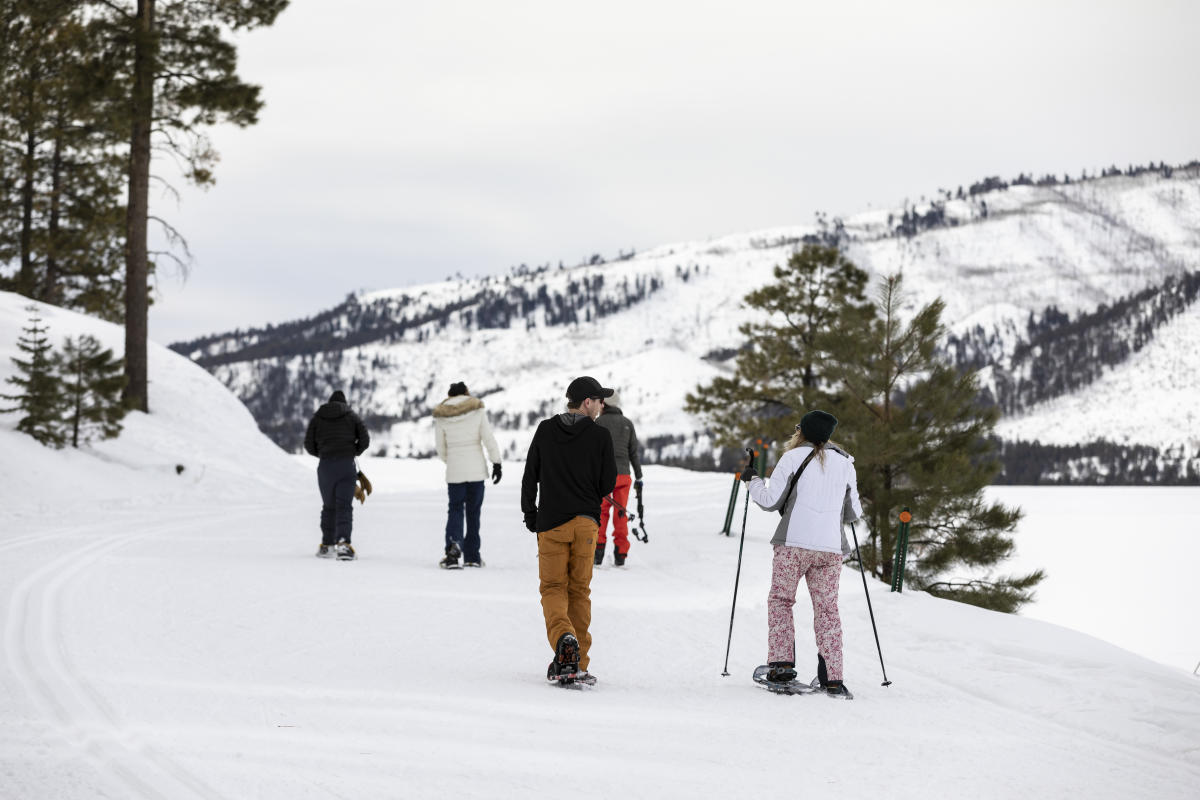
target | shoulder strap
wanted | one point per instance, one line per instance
(792, 482)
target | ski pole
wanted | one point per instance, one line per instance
(624, 512)
(863, 569)
(738, 576)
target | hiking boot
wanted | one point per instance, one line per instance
(781, 672)
(566, 654)
(344, 551)
(599, 555)
(619, 558)
(451, 559)
(325, 551)
(475, 564)
(837, 689)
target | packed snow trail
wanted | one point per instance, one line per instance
(201, 650)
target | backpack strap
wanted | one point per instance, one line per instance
(792, 482)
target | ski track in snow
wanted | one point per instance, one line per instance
(38, 658)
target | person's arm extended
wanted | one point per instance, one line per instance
(768, 495)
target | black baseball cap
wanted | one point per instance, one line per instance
(584, 387)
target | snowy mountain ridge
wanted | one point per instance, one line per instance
(1018, 267)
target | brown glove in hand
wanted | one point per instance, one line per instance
(362, 488)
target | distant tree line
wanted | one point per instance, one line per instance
(1058, 355)
(915, 219)
(494, 304)
(1095, 463)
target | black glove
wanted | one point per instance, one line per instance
(749, 473)
(531, 522)
(637, 485)
(496, 472)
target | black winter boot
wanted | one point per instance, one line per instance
(599, 559)
(781, 671)
(566, 654)
(619, 558)
(451, 559)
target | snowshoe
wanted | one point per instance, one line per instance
(576, 679)
(344, 551)
(473, 564)
(791, 686)
(325, 551)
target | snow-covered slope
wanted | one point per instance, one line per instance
(196, 424)
(167, 642)
(658, 323)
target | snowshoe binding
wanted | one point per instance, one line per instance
(780, 679)
(325, 551)
(344, 551)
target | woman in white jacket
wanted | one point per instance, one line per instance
(815, 489)
(461, 429)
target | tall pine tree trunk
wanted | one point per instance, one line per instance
(51, 288)
(137, 258)
(26, 280)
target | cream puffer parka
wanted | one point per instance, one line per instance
(461, 427)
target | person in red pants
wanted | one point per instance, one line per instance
(625, 448)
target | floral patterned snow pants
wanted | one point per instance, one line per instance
(822, 572)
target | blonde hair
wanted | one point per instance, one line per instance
(798, 439)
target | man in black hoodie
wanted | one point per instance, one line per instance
(336, 435)
(571, 462)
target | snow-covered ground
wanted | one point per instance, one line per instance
(172, 636)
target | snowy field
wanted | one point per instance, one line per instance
(169, 634)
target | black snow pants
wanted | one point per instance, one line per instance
(336, 478)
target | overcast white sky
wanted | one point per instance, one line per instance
(404, 142)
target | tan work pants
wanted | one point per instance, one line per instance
(565, 558)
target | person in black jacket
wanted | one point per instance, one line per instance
(336, 435)
(571, 465)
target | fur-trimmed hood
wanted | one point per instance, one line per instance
(457, 406)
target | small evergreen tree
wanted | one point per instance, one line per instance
(40, 398)
(922, 440)
(817, 310)
(92, 381)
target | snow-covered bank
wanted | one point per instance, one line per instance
(198, 441)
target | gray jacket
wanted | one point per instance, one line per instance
(625, 443)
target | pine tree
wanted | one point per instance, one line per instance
(922, 440)
(40, 398)
(91, 383)
(816, 311)
(183, 78)
(61, 222)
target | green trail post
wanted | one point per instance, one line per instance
(732, 504)
(901, 551)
